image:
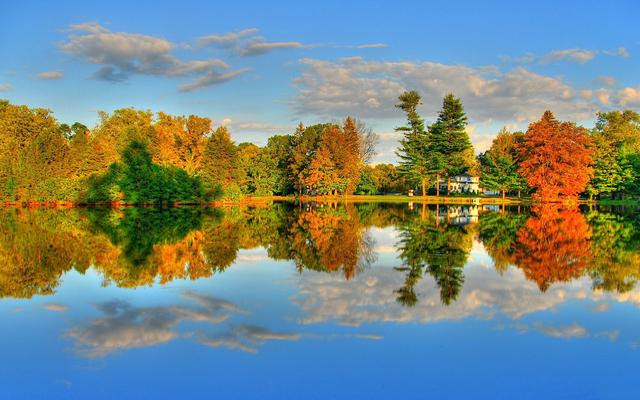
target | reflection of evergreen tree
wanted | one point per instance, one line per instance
(406, 294)
(138, 229)
(497, 232)
(442, 249)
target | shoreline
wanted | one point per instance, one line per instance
(264, 200)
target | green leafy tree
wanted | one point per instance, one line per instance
(499, 164)
(612, 171)
(221, 165)
(367, 184)
(617, 154)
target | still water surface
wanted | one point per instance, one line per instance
(320, 301)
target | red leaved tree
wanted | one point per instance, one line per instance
(555, 158)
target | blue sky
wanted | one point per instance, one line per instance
(261, 67)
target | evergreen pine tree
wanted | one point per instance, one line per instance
(449, 149)
(414, 144)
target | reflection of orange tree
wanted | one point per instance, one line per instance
(329, 238)
(553, 245)
(38, 246)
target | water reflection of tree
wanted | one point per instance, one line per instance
(133, 247)
(615, 264)
(38, 246)
(557, 245)
(329, 237)
(553, 245)
(498, 232)
(439, 249)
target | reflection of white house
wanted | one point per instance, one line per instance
(459, 215)
(463, 183)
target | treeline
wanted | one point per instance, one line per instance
(134, 156)
(552, 160)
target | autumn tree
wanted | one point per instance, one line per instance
(388, 178)
(556, 158)
(305, 143)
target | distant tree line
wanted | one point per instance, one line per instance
(135, 156)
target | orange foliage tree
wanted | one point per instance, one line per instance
(555, 158)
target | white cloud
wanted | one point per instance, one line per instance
(228, 39)
(603, 96)
(524, 59)
(563, 332)
(581, 56)
(212, 78)
(5, 87)
(50, 75)
(576, 55)
(372, 46)
(369, 89)
(629, 96)
(125, 327)
(257, 126)
(246, 338)
(619, 52)
(608, 80)
(55, 307)
(258, 46)
(90, 27)
(121, 55)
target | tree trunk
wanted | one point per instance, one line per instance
(519, 194)
(424, 187)
(438, 185)
(590, 196)
(448, 185)
(503, 194)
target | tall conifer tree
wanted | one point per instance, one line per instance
(413, 149)
(449, 149)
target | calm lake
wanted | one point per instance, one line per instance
(320, 301)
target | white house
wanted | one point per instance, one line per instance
(463, 183)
